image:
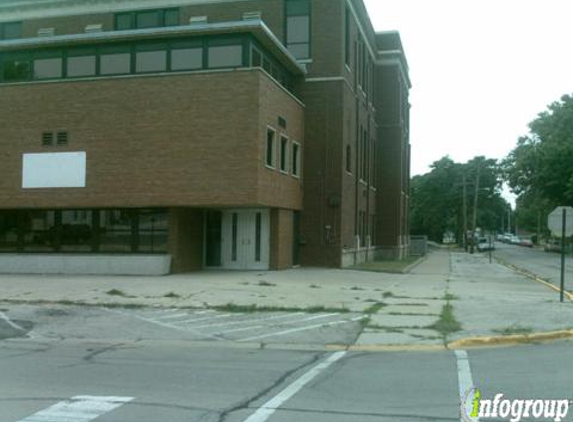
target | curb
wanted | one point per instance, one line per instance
(510, 340)
(534, 277)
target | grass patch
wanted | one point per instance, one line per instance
(448, 297)
(249, 309)
(513, 330)
(374, 308)
(315, 286)
(172, 295)
(356, 288)
(394, 266)
(116, 292)
(447, 323)
(410, 314)
(387, 295)
(266, 284)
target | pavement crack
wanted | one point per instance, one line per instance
(245, 404)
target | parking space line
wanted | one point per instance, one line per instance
(306, 328)
(78, 409)
(247, 321)
(465, 382)
(172, 316)
(267, 409)
(191, 321)
(31, 334)
(164, 324)
(236, 330)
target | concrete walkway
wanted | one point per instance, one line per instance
(486, 299)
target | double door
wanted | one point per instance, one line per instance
(245, 239)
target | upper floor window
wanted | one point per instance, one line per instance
(347, 36)
(10, 30)
(146, 19)
(297, 28)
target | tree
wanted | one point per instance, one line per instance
(540, 168)
(437, 198)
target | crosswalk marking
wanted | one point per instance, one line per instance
(78, 409)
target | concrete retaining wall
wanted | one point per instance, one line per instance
(151, 265)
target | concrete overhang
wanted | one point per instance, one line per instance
(255, 27)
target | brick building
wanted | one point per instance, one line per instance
(156, 136)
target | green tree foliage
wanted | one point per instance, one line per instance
(437, 198)
(540, 169)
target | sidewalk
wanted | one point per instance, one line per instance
(404, 309)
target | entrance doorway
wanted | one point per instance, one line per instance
(238, 239)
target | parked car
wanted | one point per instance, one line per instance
(515, 240)
(484, 244)
(526, 242)
(552, 245)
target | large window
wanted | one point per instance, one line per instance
(48, 65)
(84, 231)
(187, 55)
(115, 60)
(146, 19)
(151, 58)
(284, 154)
(297, 28)
(16, 67)
(225, 53)
(10, 30)
(81, 62)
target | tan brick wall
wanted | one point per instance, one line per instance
(175, 140)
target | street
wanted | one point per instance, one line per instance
(546, 265)
(177, 381)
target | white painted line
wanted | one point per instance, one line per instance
(247, 321)
(163, 324)
(267, 409)
(78, 409)
(175, 316)
(295, 330)
(465, 382)
(191, 321)
(236, 330)
(31, 334)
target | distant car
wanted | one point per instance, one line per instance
(515, 240)
(552, 245)
(526, 242)
(484, 244)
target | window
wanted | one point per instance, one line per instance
(8, 231)
(76, 232)
(16, 67)
(234, 230)
(48, 68)
(258, 221)
(151, 58)
(256, 58)
(348, 158)
(295, 162)
(152, 231)
(81, 62)
(347, 36)
(225, 56)
(115, 230)
(10, 30)
(115, 60)
(270, 156)
(146, 19)
(187, 56)
(297, 28)
(284, 154)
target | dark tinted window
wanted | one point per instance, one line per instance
(16, 68)
(171, 17)
(123, 21)
(8, 231)
(76, 231)
(11, 30)
(148, 19)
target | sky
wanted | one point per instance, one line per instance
(481, 70)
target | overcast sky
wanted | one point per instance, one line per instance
(481, 70)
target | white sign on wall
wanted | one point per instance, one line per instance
(54, 170)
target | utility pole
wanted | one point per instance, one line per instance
(474, 222)
(465, 211)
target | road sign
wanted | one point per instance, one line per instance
(555, 221)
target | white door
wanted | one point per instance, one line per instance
(246, 239)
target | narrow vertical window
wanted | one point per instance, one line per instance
(258, 237)
(234, 237)
(348, 159)
(297, 28)
(270, 155)
(284, 154)
(295, 159)
(347, 37)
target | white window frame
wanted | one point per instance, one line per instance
(273, 165)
